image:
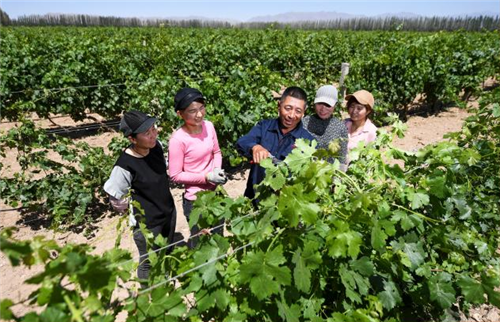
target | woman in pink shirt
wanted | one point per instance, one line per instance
(359, 127)
(194, 156)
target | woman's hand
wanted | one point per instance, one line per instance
(119, 205)
(217, 176)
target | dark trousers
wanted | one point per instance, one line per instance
(167, 230)
(187, 206)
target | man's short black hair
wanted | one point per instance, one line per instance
(295, 92)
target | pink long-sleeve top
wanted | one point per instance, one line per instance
(367, 134)
(192, 156)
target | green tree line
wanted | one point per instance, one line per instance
(435, 23)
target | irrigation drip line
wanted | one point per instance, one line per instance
(90, 127)
(12, 209)
(33, 220)
(39, 119)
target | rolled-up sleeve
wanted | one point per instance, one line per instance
(119, 182)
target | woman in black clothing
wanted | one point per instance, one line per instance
(141, 170)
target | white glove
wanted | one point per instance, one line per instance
(217, 176)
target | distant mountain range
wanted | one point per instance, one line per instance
(303, 16)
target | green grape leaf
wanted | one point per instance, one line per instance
(263, 274)
(378, 237)
(363, 265)
(441, 290)
(294, 204)
(413, 251)
(222, 298)
(344, 242)
(5, 311)
(418, 199)
(301, 155)
(203, 256)
(390, 296)
(301, 274)
(471, 289)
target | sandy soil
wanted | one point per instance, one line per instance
(421, 131)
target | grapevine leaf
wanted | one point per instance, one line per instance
(493, 297)
(281, 274)
(418, 199)
(301, 155)
(263, 274)
(414, 252)
(311, 307)
(195, 284)
(471, 289)
(390, 295)
(301, 274)
(274, 177)
(251, 266)
(496, 110)
(275, 257)
(174, 304)
(263, 286)
(5, 311)
(343, 241)
(464, 209)
(44, 294)
(490, 284)
(17, 252)
(293, 205)
(222, 298)
(203, 300)
(92, 303)
(407, 221)
(277, 180)
(363, 265)
(289, 313)
(437, 186)
(349, 282)
(389, 227)
(441, 290)
(362, 200)
(54, 314)
(203, 256)
(362, 283)
(470, 156)
(311, 255)
(481, 247)
(378, 237)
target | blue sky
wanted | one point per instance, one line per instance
(242, 10)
